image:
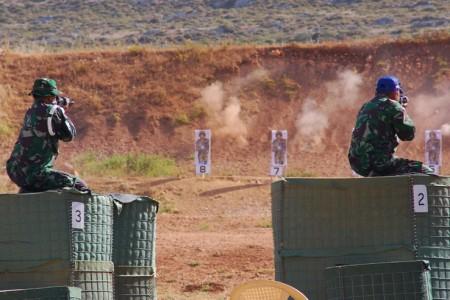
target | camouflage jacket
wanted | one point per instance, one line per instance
(37, 144)
(379, 125)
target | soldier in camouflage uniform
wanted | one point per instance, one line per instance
(31, 163)
(380, 123)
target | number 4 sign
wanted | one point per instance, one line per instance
(77, 215)
(420, 198)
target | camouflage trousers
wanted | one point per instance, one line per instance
(394, 166)
(47, 179)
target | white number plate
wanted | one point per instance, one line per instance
(420, 198)
(77, 215)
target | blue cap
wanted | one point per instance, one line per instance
(388, 84)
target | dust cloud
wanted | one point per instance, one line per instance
(432, 111)
(311, 123)
(446, 129)
(224, 107)
(314, 119)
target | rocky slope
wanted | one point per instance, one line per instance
(50, 24)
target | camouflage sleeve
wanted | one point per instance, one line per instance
(63, 126)
(403, 124)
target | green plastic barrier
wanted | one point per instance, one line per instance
(394, 280)
(47, 293)
(322, 222)
(57, 238)
(134, 247)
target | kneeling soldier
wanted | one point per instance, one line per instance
(45, 124)
(380, 123)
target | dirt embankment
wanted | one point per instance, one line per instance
(150, 101)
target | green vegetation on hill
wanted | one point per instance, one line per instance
(73, 24)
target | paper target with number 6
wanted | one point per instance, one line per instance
(202, 153)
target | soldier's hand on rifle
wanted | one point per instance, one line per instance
(64, 102)
(404, 101)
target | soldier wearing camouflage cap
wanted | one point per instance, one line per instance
(380, 123)
(30, 165)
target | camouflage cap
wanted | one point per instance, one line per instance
(45, 87)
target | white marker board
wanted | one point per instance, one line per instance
(77, 215)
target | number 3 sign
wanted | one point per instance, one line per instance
(420, 198)
(77, 215)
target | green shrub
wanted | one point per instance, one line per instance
(136, 49)
(149, 165)
(197, 112)
(5, 130)
(182, 119)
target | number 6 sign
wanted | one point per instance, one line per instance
(77, 215)
(420, 196)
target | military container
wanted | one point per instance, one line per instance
(57, 238)
(322, 222)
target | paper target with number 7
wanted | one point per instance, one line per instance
(278, 152)
(202, 153)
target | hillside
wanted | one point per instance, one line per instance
(145, 101)
(51, 24)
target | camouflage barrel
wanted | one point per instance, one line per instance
(57, 238)
(134, 247)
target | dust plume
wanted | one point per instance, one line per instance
(224, 107)
(344, 91)
(311, 123)
(446, 129)
(432, 111)
(313, 119)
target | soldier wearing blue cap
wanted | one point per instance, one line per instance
(380, 124)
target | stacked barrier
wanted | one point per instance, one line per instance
(134, 247)
(57, 238)
(394, 280)
(321, 223)
(65, 238)
(54, 293)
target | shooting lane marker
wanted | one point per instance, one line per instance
(420, 197)
(78, 215)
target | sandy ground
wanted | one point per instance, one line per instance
(212, 233)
